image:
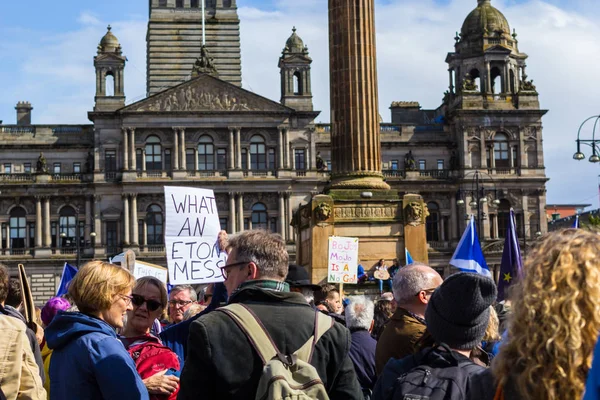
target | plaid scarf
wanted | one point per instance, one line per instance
(265, 284)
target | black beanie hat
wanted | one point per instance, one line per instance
(459, 310)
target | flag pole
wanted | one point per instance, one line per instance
(203, 24)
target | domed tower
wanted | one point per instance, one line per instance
(487, 58)
(110, 67)
(294, 64)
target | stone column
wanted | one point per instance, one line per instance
(132, 152)
(231, 221)
(47, 233)
(443, 228)
(492, 157)
(451, 85)
(38, 222)
(196, 159)
(134, 220)
(488, 78)
(453, 218)
(182, 157)
(231, 152)
(175, 153)
(482, 152)
(282, 215)
(125, 150)
(355, 141)
(249, 160)
(288, 218)
(8, 241)
(280, 146)
(88, 217)
(238, 149)
(143, 160)
(126, 233)
(97, 223)
(144, 234)
(240, 212)
(286, 148)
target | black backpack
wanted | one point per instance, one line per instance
(438, 374)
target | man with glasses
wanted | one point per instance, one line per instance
(221, 362)
(413, 286)
(180, 299)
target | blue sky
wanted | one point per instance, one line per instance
(47, 50)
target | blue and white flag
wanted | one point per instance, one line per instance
(68, 274)
(468, 256)
(409, 259)
(511, 266)
(576, 222)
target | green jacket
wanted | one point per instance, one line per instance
(399, 338)
(222, 364)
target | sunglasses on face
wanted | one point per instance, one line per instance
(138, 300)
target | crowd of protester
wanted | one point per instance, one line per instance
(267, 330)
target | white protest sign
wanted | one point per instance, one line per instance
(142, 269)
(191, 229)
(343, 260)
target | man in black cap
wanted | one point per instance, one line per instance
(299, 282)
(457, 316)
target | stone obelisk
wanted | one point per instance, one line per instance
(355, 144)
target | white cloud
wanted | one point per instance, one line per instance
(413, 38)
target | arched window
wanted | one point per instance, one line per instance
(501, 153)
(258, 153)
(298, 83)
(432, 222)
(496, 80)
(476, 78)
(18, 228)
(154, 225)
(153, 154)
(109, 84)
(259, 216)
(67, 227)
(503, 214)
(206, 154)
(513, 81)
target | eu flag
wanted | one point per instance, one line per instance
(409, 259)
(511, 266)
(468, 256)
(576, 222)
(68, 274)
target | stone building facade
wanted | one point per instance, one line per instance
(97, 189)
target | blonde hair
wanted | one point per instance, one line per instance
(95, 285)
(492, 333)
(555, 321)
(193, 310)
(150, 280)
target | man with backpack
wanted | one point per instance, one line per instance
(268, 341)
(457, 317)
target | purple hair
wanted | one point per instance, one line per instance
(52, 307)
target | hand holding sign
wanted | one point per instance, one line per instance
(193, 243)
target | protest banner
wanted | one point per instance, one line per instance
(343, 260)
(191, 230)
(142, 269)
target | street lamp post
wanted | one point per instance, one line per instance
(478, 197)
(78, 239)
(593, 142)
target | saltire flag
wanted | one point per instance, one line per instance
(409, 259)
(468, 256)
(576, 222)
(511, 266)
(68, 274)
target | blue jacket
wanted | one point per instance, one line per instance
(175, 337)
(89, 362)
(592, 387)
(362, 354)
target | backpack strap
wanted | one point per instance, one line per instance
(322, 324)
(253, 329)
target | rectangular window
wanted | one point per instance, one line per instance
(440, 164)
(245, 159)
(272, 159)
(53, 233)
(56, 168)
(4, 241)
(7, 168)
(394, 165)
(422, 165)
(111, 237)
(328, 165)
(110, 160)
(27, 168)
(300, 159)
(76, 168)
(246, 224)
(223, 222)
(32, 234)
(140, 231)
(221, 159)
(273, 225)
(189, 160)
(138, 160)
(168, 165)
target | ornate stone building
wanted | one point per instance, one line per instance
(98, 189)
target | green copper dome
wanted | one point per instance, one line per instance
(294, 44)
(485, 19)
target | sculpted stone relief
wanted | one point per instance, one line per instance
(344, 213)
(415, 213)
(201, 97)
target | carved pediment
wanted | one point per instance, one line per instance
(205, 93)
(108, 57)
